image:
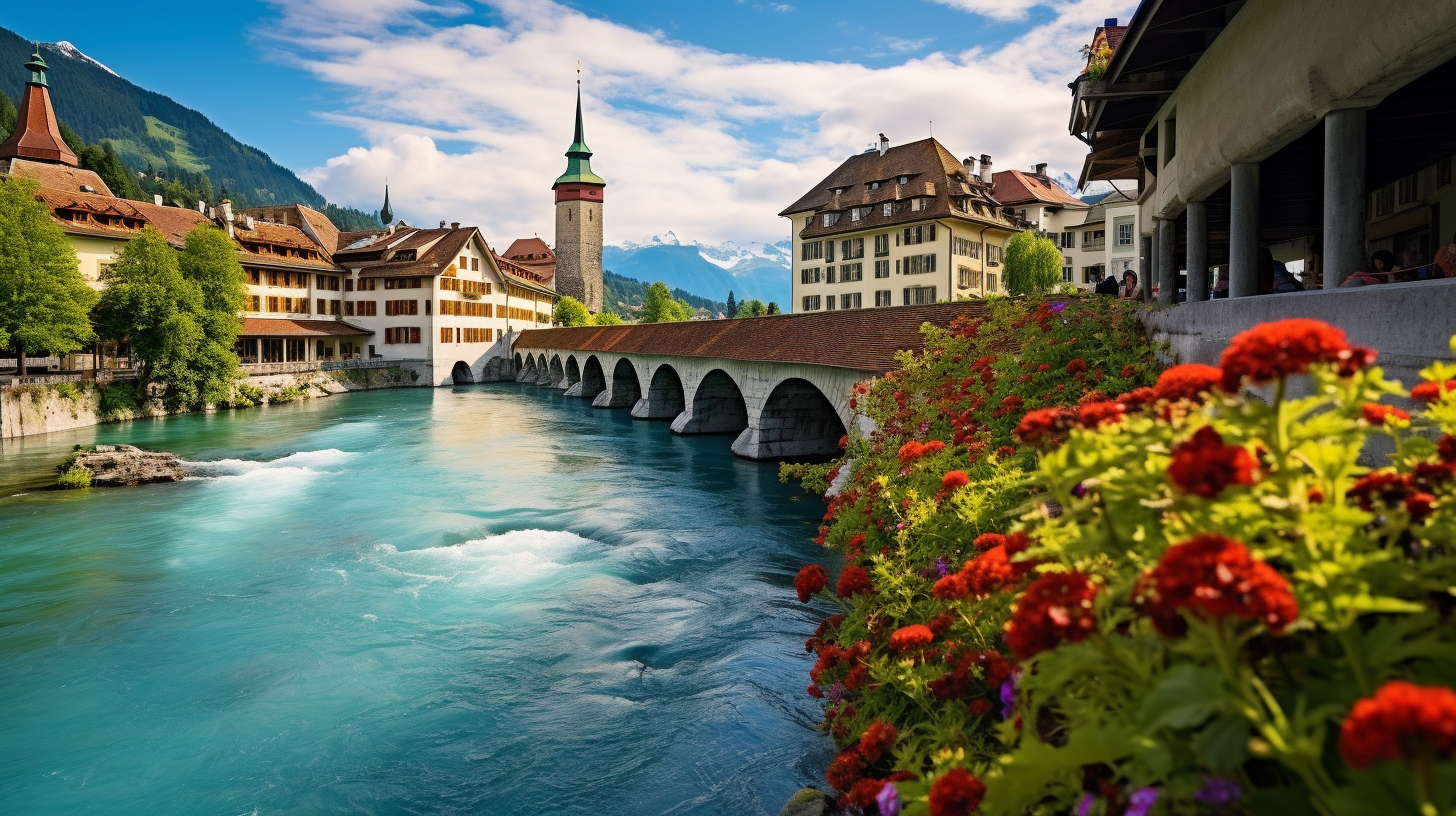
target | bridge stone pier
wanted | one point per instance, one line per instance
(779, 385)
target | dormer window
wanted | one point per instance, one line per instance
(874, 185)
(405, 255)
(904, 179)
(830, 219)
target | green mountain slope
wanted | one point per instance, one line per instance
(148, 129)
(624, 296)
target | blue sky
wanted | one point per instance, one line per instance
(707, 117)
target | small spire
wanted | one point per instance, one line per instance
(37, 68)
(386, 214)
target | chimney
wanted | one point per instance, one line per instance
(454, 225)
(157, 199)
(986, 168)
(969, 163)
(249, 224)
(227, 210)
(1041, 169)
(1110, 22)
(884, 144)
(201, 206)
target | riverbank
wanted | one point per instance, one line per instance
(30, 410)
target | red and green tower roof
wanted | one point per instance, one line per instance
(578, 156)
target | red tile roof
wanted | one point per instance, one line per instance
(37, 134)
(860, 339)
(284, 327)
(59, 176)
(173, 222)
(1015, 188)
(528, 249)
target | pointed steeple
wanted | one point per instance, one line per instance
(578, 156)
(37, 136)
(386, 214)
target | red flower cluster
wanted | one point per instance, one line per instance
(1387, 489)
(877, 741)
(957, 793)
(1044, 427)
(810, 580)
(991, 571)
(1094, 415)
(954, 479)
(1446, 448)
(1432, 391)
(955, 684)
(914, 636)
(1138, 398)
(1203, 465)
(1401, 721)
(1077, 366)
(1283, 348)
(1217, 577)
(986, 541)
(1190, 381)
(845, 770)
(1056, 608)
(1377, 414)
(854, 581)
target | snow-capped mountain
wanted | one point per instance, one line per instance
(66, 49)
(751, 270)
(1092, 190)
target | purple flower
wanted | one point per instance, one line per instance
(835, 693)
(900, 526)
(1080, 491)
(1084, 805)
(1219, 792)
(924, 427)
(1059, 307)
(1008, 696)
(942, 566)
(1141, 801)
(889, 800)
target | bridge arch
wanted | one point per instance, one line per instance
(528, 370)
(558, 372)
(665, 396)
(717, 407)
(573, 371)
(543, 370)
(518, 361)
(626, 387)
(593, 379)
(461, 374)
(796, 422)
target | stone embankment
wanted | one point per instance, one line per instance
(125, 466)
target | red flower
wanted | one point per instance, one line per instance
(993, 570)
(953, 587)
(1282, 348)
(954, 479)
(1077, 366)
(957, 793)
(1431, 391)
(845, 770)
(1188, 382)
(914, 636)
(863, 794)
(810, 580)
(933, 446)
(1446, 448)
(910, 451)
(986, 541)
(980, 707)
(1043, 427)
(1138, 397)
(1127, 371)
(1056, 608)
(1094, 415)
(1377, 414)
(854, 581)
(1203, 465)
(1402, 721)
(1388, 487)
(1217, 577)
(1420, 505)
(878, 739)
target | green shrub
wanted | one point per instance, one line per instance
(287, 394)
(74, 478)
(68, 391)
(118, 401)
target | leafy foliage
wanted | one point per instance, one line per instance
(74, 478)
(44, 302)
(624, 296)
(606, 319)
(659, 306)
(1232, 579)
(572, 312)
(1033, 264)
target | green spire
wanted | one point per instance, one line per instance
(578, 156)
(38, 70)
(386, 214)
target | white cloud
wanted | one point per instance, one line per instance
(470, 122)
(995, 9)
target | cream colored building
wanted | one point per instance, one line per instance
(898, 226)
(1062, 217)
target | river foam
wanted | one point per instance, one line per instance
(509, 559)
(303, 462)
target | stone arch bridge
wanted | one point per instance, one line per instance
(780, 385)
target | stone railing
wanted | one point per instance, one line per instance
(343, 365)
(102, 377)
(299, 367)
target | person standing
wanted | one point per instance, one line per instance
(1130, 290)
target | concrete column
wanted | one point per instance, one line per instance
(1344, 210)
(1163, 234)
(1244, 230)
(1197, 251)
(1145, 268)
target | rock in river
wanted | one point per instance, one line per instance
(126, 465)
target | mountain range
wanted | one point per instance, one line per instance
(753, 271)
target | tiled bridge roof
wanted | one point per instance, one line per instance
(862, 339)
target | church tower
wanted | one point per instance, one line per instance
(579, 223)
(37, 136)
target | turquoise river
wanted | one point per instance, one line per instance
(482, 600)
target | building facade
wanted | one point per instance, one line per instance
(579, 196)
(904, 225)
(1041, 202)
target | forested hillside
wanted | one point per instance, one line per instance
(182, 149)
(624, 296)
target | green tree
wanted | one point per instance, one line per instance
(152, 305)
(210, 261)
(732, 310)
(8, 115)
(71, 138)
(572, 312)
(752, 307)
(607, 319)
(659, 306)
(773, 308)
(1033, 264)
(103, 160)
(45, 304)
